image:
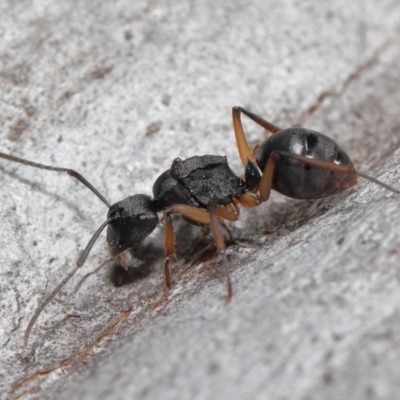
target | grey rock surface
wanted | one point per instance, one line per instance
(117, 91)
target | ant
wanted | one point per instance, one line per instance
(297, 162)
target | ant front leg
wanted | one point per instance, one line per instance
(241, 141)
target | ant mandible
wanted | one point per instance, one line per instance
(296, 162)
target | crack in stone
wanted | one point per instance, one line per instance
(359, 71)
(80, 357)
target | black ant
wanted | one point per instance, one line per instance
(297, 162)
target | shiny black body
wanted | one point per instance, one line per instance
(136, 217)
(296, 179)
(197, 181)
(296, 162)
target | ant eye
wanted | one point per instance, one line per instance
(142, 216)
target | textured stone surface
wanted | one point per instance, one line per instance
(117, 91)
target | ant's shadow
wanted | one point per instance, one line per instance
(195, 244)
(149, 257)
(146, 257)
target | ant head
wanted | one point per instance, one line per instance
(135, 218)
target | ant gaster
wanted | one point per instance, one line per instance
(296, 162)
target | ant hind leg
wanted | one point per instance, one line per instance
(241, 141)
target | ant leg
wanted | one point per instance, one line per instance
(254, 150)
(220, 244)
(241, 141)
(229, 212)
(194, 213)
(260, 121)
(169, 248)
(341, 169)
(266, 180)
(268, 173)
(124, 261)
(70, 172)
(267, 176)
(249, 199)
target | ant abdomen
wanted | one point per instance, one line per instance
(297, 179)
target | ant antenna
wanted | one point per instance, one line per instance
(79, 264)
(85, 253)
(43, 305)
(89, 246)
(71, 172)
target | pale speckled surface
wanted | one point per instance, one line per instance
(316, 306)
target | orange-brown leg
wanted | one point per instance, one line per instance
(341, 169)
(253, 151)
(194, 213)
(124, 262)
(229, 212)
(220, 244)
(268, 173)
(169, 248)
(249, 199)
(329, 166)
(241, 141)
(261, 121)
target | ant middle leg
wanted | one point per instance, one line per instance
(229, 212)
(169, 247)
(221, 248)
(193, 213)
